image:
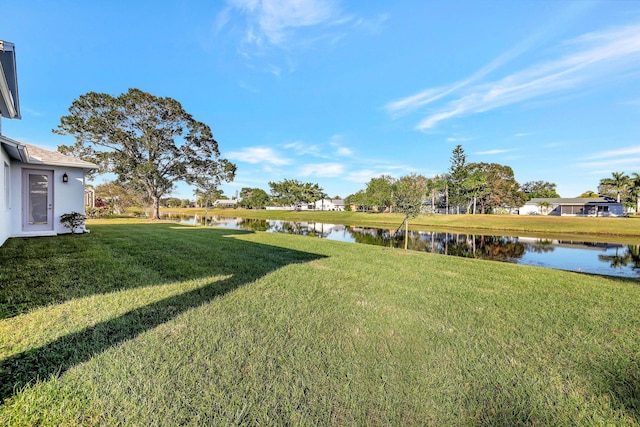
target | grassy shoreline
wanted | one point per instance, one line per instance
(141, 323)
(625, 229)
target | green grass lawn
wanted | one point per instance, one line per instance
(143, 323)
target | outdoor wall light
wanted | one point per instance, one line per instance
(65, 177)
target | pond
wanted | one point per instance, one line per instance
(574, 255)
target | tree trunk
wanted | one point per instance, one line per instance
(433, 201)
(446, 200)
(155, 207)
(406, 233)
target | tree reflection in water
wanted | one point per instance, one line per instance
(630, 257)
(624, 261)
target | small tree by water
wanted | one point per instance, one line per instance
(409, 193)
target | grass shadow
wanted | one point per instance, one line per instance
(619, 377)
(206, 253)
(36, 272)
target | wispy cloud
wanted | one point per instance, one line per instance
(275, 22)
(326, 150)
(325, 170)
(633, 162)
(616, 153)
(30, 111)
(614, 159)
(586, 60)
(341, 150)
(344, 151)
(492, 152)
(361, 176)
(302, 148)
(428, 96)
(372, 25)
(255, 155)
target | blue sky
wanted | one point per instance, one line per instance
(338, 92)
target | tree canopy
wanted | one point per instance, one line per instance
(500, 188)
(616, 186)
(457, 176)
(379, 192)
(253, 198)
(118, 197)
(539, 190)
(409, 194)
(149, 142)
(291, 192)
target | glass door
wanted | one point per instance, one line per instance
(38, 202)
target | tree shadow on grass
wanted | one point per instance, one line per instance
(37, 272)
(246, 263)
(619, 377)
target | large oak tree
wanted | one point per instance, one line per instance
(149, 142)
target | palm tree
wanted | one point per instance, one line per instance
(589, 194)
(544, 207)
(618, 183)
(634, 191)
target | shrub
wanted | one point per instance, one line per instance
(97, 212)
(72, 220)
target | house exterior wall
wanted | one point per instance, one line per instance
(5, 203)
(595, 209)
(329, 205)
(66, 197)
(528, 209)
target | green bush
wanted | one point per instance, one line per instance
(96, 212)
(72, 220)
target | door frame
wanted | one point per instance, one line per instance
(26, 193)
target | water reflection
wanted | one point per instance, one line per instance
(589, 257)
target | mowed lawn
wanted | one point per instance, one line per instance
(142, 323)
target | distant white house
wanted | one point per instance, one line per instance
(37, 186)
(319, 205)
(595, 206)
(329, 205)
(225, 203)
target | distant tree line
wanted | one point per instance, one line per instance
(466, 187)
(624, 188)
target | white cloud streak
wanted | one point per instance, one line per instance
(273, 21)
(361, 176)
(325, 170)
(633, 162)
(616, 153)
(428, 96)
(491, 152)
(255, 155)
(588, 59)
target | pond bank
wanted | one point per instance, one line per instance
(572, 254)
(626, 230)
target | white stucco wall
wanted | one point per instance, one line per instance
(5, 208)
(67, 197)
(532, 210)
